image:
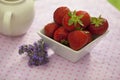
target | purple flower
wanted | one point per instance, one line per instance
(35, 57)
(41, 58)
(35, 44)
(46, 47)
(37, 52)
(31, 62)
(31, 47)
(46, 55)
(39, 49)
(21, 47)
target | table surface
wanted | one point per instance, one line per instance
(103, 62)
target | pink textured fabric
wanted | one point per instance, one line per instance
(103, 62)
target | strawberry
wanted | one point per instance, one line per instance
(60, 34)
(50, 28)
(59, 14)
(98, 25)
(85, 19)
(89, 35)
(77, 39)
(73, 20)
(66, 25)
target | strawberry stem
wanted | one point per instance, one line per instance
(64, 42)
(75, 19)
(97, 21)
(79, 28)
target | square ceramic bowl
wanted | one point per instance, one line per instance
(67, 52)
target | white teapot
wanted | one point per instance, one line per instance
(16, 16)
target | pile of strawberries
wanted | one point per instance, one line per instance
(75, 29)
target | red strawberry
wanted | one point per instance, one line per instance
(89, 35)
(50, 29)
(98, 25)
(85, 19)
(73, 20)
(66, 25)
(59, 14)
(60, 34)
(77, 39)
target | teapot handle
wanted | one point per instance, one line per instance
(7, 21)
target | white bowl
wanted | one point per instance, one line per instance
(67, 52)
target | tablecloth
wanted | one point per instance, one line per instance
(102, 63)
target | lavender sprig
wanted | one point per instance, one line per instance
(37, 52)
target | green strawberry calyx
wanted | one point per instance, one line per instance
(97, 21)
(74, 19)
(64, 42)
